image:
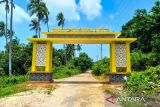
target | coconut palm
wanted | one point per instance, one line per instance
(38, 8)
(10, 44)
(6, 2)
(46, 20)
(60, 19)
(101, 51)
(34, 26)
(2, 29)
(70, 51)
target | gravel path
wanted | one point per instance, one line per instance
(78, 91)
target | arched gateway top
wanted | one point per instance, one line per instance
(119, 49)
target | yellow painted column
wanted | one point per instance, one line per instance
(34, 54)
(128, 62)
(112, 57)
(51, 56)
(48, 57)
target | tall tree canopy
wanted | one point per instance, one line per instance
(145, 27)
(38, 8)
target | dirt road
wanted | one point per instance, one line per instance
(77, 91)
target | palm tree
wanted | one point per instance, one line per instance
(78, 47)
(7, 11)
(70, 51)
(10, 44)
(2, 29)
(38, 8)
(34, 26)
(60, 19)
(101, 51)
(46, 20)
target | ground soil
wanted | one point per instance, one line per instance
(82, 90)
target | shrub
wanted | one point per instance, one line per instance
(101, 67)
(137, 82)
(64, 71)
(83, 62)
(144, 82)
(2, 72)
(141, 61)
(6, 81)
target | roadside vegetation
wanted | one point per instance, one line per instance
(144, 80)
(8, 85)
(72, 67)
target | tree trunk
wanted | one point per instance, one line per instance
(101, 52)
(36, 34)
(47, 26)
(6, 36)
(39, 28)
(10, 45)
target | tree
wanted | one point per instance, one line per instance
(46, 20)
(60, 19)
(7, 11)
(2, 29)
(145, 27)
(38, 8)
(34, 26)
(21, 58)
(78, 47)
(139, 27)
(10, 45)
(70, 51)
(84, 62)
(101, 51)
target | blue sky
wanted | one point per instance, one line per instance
(78, 13)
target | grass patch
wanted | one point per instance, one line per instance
(12, 89)
(12, 85)
(132, 104)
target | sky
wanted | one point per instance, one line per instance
(80, 14)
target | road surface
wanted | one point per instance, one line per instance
(78, 91)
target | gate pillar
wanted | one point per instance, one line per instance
(41, 61)
(120, 64)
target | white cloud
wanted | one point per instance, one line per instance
(19, 14)
(71, 10)
(91, 8)
(68, 7)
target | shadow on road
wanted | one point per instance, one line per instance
(80, 82)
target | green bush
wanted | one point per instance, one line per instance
(63, 72)
(137, 82)
(7, 81)
(141, 61)
(2, 72)
(83, 62)
(101, 67)
(144, 82)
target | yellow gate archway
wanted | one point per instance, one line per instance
(42, 50)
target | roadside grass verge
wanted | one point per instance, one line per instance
(13, 84)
